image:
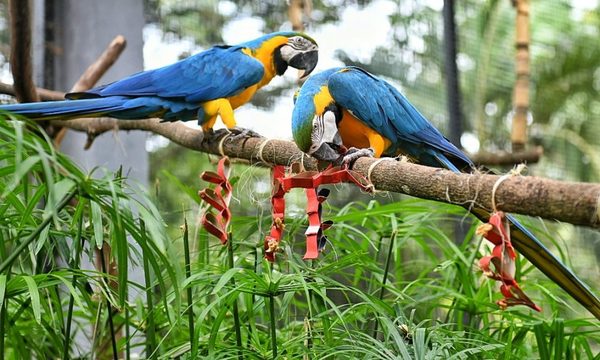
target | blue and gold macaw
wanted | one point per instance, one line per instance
(203, 86)
(345, 113)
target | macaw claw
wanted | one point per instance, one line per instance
(354, 154)
(237, 133)
(232, 134)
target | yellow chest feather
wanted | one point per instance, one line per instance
(355, 133)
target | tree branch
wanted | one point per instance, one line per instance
(91, 75)
(44, 94)
(95, 71)
(20, 50)
(528, 156)
(572, 202)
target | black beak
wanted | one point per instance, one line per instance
(326, 152)
(306, 61)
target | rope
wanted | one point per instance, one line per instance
(221, 151)
(514, 172)
(261, 147)
(372, 167)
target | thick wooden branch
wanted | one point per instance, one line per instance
(572, 202)
(176, 132)
(20, 50)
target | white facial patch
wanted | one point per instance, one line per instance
(324, 131)
(287, 52)
(330, 129)
(295, 45)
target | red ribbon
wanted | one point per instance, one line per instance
(503, 256)
(218, 198)
(309, 180)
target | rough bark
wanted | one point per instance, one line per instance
(572, 202)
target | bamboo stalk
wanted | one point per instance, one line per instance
(521, 90)
(19, 249)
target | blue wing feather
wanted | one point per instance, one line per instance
(212, 74)
(387, 111)
(172, 92)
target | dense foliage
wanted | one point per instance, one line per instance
(391, 284)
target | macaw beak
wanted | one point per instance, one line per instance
(305, 61)
(326, 152)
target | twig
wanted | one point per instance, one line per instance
(93, 73)
(44, 94)
(20, 50)
(528, 156)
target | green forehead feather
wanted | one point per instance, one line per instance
(302, 135)
(307, 38)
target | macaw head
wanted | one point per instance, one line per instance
(294, 49)
(300, 52)
(315, 118)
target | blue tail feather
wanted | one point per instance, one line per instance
(120, 107)
(66, 108)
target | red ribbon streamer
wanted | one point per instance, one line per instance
(218, 198)
(503, 256)
(309, 180)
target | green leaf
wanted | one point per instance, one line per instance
(21, 170)
(34, 295)
(96, 220)
(3, 281)
(225, 279)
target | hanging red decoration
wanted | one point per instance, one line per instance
(309, 180)
(218, 198)
(497, 231)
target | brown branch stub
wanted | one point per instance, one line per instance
(20, 50)
(528, 156)
(571, 202)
